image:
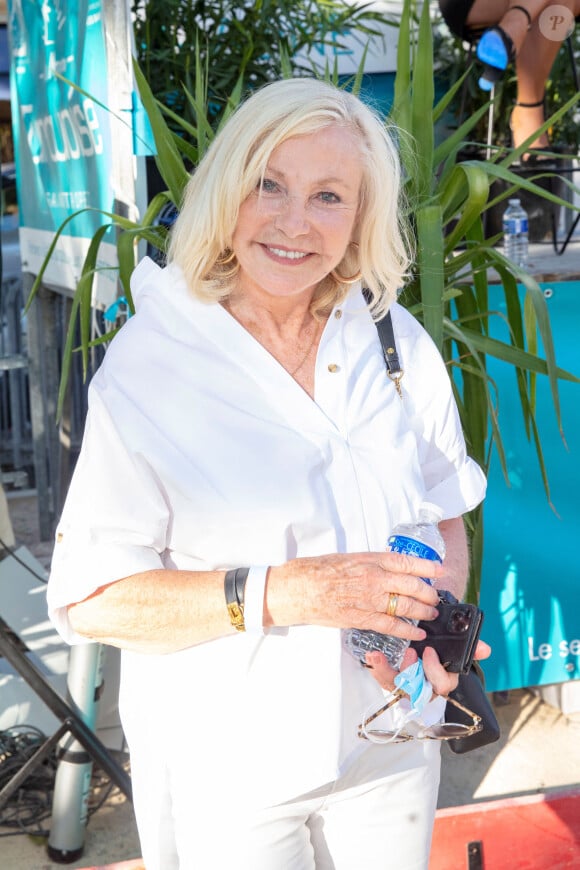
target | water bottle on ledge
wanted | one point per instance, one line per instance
(422, 539)
(515, 233)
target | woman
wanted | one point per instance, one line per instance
(243, 417)
(530, 34)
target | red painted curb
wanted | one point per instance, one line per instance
(534, 832)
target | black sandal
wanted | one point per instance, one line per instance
(539, 153)
(531, 105)
(496, 51)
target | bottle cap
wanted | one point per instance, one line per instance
(514, 201)
(434, 509)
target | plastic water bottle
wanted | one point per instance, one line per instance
(422, 539)
(515, 233)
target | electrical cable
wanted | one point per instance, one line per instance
(31, 805)
(11, 552)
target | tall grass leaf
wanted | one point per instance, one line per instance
(126, 256)
(84, 290)
(67, 352)
(155, 205)
(474, 397)
(168, 160)
(358, 79)
(513, 355)
(477, 191)
(285, 64)
(442, 105)
(422, 100)
(430, 259)
(474, 237)
(451, 143)
(401, 110)
(468, 339)
(234, 100)
(542, 319)
(498, 170)
(48, 257)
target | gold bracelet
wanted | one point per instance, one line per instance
(234, 588)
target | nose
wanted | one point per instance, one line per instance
(292, 217)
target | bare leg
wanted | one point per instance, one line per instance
(536, 50)
(533, 65)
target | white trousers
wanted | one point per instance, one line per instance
(363, 820)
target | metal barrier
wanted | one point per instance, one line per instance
(36, 451)
(15, 434)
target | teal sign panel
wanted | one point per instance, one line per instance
(61, 133)
(531, 576)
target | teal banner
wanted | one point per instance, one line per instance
(61, 134)
(531, 577)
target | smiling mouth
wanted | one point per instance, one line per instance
(286, 255)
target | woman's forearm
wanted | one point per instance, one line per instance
(456, 563)
(158, 611)
(163, 611)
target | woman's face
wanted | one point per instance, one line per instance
(296, 226)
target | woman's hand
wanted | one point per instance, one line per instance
(353, 591)
(441, 680)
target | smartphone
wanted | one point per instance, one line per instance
(453, 634)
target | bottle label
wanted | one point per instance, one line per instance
(515, 226)
(402, 544)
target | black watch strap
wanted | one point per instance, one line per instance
(234, 590)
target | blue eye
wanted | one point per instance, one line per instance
(328, 196)
(267, 185)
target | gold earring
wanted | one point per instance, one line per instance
(224, 260)
(351, 280)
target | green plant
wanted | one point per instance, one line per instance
(233, 40)
(448, 289)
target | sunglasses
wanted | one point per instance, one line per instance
(441, 731)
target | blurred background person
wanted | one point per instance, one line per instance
(529, 35)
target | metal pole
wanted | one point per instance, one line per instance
(72, 785)
(490, 126)
(77, 726)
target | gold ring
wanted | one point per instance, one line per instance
(392, 604)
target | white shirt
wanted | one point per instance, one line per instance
(201, 452)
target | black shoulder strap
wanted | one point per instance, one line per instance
(387, 338)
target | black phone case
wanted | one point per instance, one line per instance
(453, 635)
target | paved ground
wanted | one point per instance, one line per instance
(537, 753)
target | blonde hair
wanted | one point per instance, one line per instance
(201, 238)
